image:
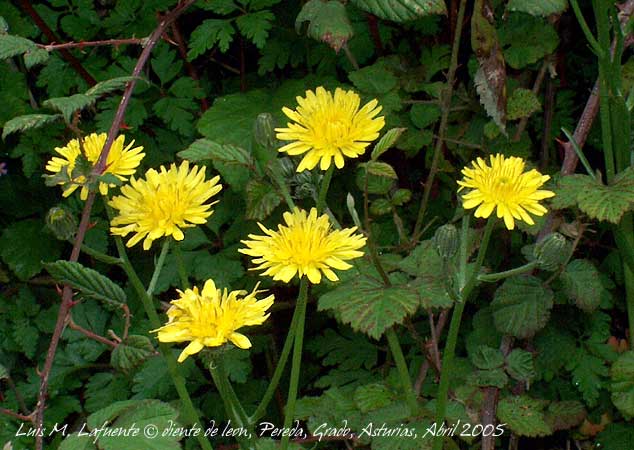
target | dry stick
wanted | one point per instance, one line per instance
(95, 337)
(82, 44)
(67, 293)
(68, 56)
(15, 415)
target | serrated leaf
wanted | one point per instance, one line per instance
(327, 22)
(582, 284)
(588, 372)
(616, 436)
(423, 115)
(522, 103)
(206, 149)
(524, 416)
(28, 122)
(262, 199)
(256, 26)
(372, 396)
(108, 86)
(369, 306)
(165, 63)
(35, 57)
(538, 7)
(565, 415)
(14, 45)
(25, 335)
(485, 357)
(68, 105)
(208, 34)
(374, 79)
(347, 351)
(131, 352)
(519, 365)
(527, 39)
(521, 306)
(89, 282)
(622, 374)
(237, 363)
(402, 10)
(490, 377)
(104, 388)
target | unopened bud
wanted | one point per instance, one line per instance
(446, 241)
(264, 130)
(62, 223)
(552, 251)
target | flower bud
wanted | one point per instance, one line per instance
(264, 130)
(446, 241)
(552, 251)
(62, 223)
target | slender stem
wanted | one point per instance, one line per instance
(323, 191)
(585, 28)
(493, 277)
(297, 359)
(454, 328)
(74, 326)
(281, 184)
(445, 107)
(622, 235)
(180, 266)
(82, 44)
(464, 244)
(401, 366)
(159, 266)
(99, 256)
(580, 154)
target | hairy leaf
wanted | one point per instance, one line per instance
(527, 39)
(622, 374)
(327, 22)
(519, 365)
(68, 105)
(374, 79)
(208, 34)
(386, 142)
(524, 416)
(582, 284)
(108, 86)
(402, 10)
(131, 352)
(564, 415)
(262, 199)
(28, 122)
(14, 45)
(522, 103)
(486, 357)
(256, 26)
(538, 7)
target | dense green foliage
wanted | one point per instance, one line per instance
(552, 345)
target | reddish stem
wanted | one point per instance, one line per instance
(82, 44)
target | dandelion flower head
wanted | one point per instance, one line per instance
(327, 127)
(506, 187)
(122, 161)
(211, 317)
(163, 203)
(306, 245)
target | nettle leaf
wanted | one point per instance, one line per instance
(622, 374)
(386, 142)
(374, 79)
(485, 357)
(89, 282)
(256, 26)
(519, 365)
(490, 78)
(327, 22)
(262, 199)
(521, 306)
(131, 352)
(527, 39)
(582, 283)
(524, 416)
(14, 45)
(522, 103)
(565, 415)
(538, 7)
(68, 105)
(28, 122)
(108, 86)
(402, 10)
(370, 306)
(208, 34)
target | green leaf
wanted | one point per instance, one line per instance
(565, 415)
(524, 416)
(23, 247)
(487, 358)
(346, 350)
(68, 105)
(89, 282)
(538, 7)
(527, 39)
(14, 45)
(76, 442)
(131, 352)
(616, 436)
(609, 202)
(177, 113)
(35, 57)
(108, 86)
(4, 373)
(26, 336)
(27, 122)
(519, 365)
(256, 26)
(237, 363)
(401, 10)
(622, 374)
(582, 284)
(374, 79)
(327, 22)
(165, 63)
(369, 306)
(262, 199)
(424, 115)
(588, 372)
(490, 377)
(372, 396)
(380, 177)
(205, 149)
(555, 348)
(208, 34)
(104, 388)
(522, 103)
(521, 306)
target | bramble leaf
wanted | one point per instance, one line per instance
(524, 415)
(519, 365)
(327, 22)
(522, 103)
(402, 10)
(622, 373)
(527, 39)
(582, 284)
(131, 352)
(538, 7)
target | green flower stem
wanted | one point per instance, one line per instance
(454, 327)
(622, 235)
(302, 299)
(158, 267)
(180, 266)
(323, 191)
(277, 373)
(464, 244)
(585, 28)
(279, 180)
(493, 277)
(189, 411)
(107, 259)
(401, 366)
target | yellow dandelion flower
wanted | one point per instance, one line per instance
(212, 317)
(306, 245)
(122, 161)
(328, 127)
(504, 185)
(163, 203)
